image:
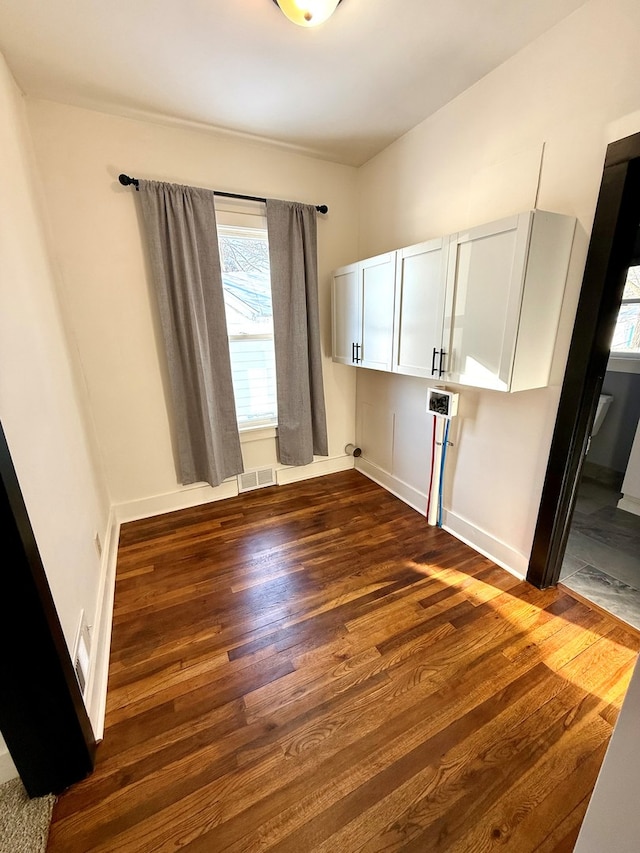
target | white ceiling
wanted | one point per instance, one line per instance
(342, 91)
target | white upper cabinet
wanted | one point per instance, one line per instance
(377, 276)
(346, 315)
(421, 278)
(362, 306)
(505, 285)
(477, 308)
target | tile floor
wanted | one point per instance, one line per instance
(602, 559)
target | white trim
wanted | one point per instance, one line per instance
(8, 769)
(629, 504)
(96, 690)
(318, 468)
(411, 496)
(260, 433)
(499, 552)
(627, 363)
(198, 494)
(184, 498)
(164, 120)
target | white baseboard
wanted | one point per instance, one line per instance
(183, 498)
(96, 690)
(7, 767)
(415, 499)
(191, 496)
(629, 504)
(486, 544)
(318, 468)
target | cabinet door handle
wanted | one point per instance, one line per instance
(433, 361)
(353, 352)
(441, 363)
(358, 359)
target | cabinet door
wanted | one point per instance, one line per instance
(377, 280)
(484, 293)
(346, 317)
(421, 277)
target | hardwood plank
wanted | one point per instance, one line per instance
(314, 668)
(417, 773)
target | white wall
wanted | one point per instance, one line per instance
(611, 446)
(39, 403)
(612, 821)
(106, 295)
(7, 767)
(534, 132)
(630, 500)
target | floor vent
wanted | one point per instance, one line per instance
(257, 479)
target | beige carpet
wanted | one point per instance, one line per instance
(24, 823)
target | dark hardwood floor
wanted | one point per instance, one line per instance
(314, 668)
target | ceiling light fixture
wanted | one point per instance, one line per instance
(308, 13)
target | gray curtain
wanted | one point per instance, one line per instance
(180, 224)
(293, 257)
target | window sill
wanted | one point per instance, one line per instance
(257, 433)
(624, 363)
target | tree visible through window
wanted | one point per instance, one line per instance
(626, 338)
(244, 255)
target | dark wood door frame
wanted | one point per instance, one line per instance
(610, 253)
(42, 715)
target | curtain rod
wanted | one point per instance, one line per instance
(126, 181)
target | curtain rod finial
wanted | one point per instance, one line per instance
(126, 181)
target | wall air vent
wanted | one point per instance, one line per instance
(81, 654)
(257, 479)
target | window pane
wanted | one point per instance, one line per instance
(632, 285)
(244, 254)
(626, 337)
(254, 380)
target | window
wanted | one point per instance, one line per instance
(626, 337)
(244, 255)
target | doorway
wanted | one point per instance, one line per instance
(42, 714)
(602, 557)
(611, 253)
